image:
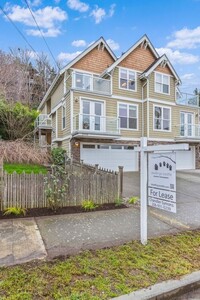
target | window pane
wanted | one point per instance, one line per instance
(128, 147)
(123, 110)
(123, 122)
(166, 113)
(132, 123)
(165, 89)
(131, 85)
(116, 147)
(166, 125)
(97, 109)
(132, 111)
(102, 147)
(86, 107)
(131, 75)
(165, 79)
(158, 112)
(158, 78)
(157, 123)
(158, 87)
(123, 83)
(123, 74)
(87, 146)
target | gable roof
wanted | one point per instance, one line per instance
(86, 51)
(75, 60)
(153, 66)
(144, 38)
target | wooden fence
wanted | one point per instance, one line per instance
(28, 190)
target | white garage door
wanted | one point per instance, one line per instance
(185, 160)
(110, 156)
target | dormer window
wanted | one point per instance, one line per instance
(162, 83)
(127, 79)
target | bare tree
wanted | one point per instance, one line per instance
(24, 77)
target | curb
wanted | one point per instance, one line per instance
(166, 289)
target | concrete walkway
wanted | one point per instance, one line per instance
(68, 234)
(20, 242)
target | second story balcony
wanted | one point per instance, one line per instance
(43, 121)
(93, 125)
(187, 99)
(91, 83)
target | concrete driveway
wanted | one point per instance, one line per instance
(188, 198)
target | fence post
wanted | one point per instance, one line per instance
(96, 167)
(1, 185)
(120, 182)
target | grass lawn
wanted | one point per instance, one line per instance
(105, 273)
(20, 168)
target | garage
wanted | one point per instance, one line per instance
(110, 156)
(185, 160)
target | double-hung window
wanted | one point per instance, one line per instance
(127, 79)
(162, 118)
(128, 116)
(162, 83)
(63, 117)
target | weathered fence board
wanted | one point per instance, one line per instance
(28, 190)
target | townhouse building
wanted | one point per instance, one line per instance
(99, 106)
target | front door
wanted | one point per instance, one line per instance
(187, 127)
(92, 115)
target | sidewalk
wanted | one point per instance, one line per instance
(21, 241)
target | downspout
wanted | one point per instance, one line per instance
(143, 108)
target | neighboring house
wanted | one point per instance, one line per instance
(99, 106)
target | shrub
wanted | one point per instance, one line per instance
(133, 200)
(89, 205)
(58, 156)
(118, 202)
(17, 211)
(23, 152)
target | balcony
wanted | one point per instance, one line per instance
(93, 125)
(187, 99)
(91, 83)
(43, 121)
(187, 132)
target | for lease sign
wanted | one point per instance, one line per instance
(162, 181)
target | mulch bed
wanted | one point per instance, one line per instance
(38, 212)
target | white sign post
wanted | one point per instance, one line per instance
(160, 192)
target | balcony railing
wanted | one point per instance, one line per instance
(187, 99)
(94, 124)
(43, 121)
(91, 83)
(188, 131)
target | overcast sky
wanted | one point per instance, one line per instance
(70, 26)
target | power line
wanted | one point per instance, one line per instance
(19, 31)
(41, 33)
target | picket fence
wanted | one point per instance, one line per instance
(28, 190)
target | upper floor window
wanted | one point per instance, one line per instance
(162, 83)
(128, 116)
(63, 117)
(162, 118)
(127, 79)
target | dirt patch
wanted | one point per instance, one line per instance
(38, 212)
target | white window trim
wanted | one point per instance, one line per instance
(124, 89)
(63, 106)
(162, 83)
(170, 114)
(129, 104)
